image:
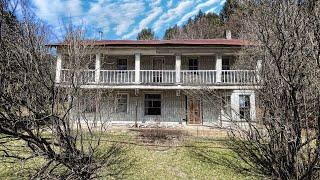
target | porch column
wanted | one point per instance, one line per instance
(97, 68)
(258, 70)
(58, 68)
(137, 68)
(219, 68)
(178, 68)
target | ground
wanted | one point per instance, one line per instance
(197, 154)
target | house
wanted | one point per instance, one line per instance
(152, 79)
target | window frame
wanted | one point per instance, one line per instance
(127, 103)
(193, 67)
(120, 66)
(145, 102)
(245, 111)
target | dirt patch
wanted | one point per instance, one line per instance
(160, 137)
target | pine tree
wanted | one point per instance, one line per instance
(146, 34)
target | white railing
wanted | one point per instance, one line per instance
(82, 76)
(187, 77)
(198, 76)
(117, 76)
(238, 76)
(158, 76)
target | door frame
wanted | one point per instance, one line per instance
(200, 111)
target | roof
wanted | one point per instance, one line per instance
(175, 42)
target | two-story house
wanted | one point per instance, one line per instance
(151, 78)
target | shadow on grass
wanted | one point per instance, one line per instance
(219, 155)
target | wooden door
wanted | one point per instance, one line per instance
(194, 111)
(157, 65)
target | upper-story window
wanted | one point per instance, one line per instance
(226, 63)
(193, 64)
(88, 61)
(122, 64)
(244, 107)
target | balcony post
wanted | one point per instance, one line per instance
(137, 68)
(258, 70)
(97, 69)
(58, 68)
(178, 68)
(219, 68)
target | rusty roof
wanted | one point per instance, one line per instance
(175, 42)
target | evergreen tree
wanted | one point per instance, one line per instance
(146, 34)
(229, 9)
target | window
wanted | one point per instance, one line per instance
(226, 63)
(152, 104)
(244, 106)
(122, 103)
(122, 64)
(193, 64)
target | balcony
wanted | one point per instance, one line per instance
(159, 77)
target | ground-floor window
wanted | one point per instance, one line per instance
(244, 106)
(152, 104)
(122, 106)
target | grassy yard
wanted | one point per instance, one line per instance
(187, 158)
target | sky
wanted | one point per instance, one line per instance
(120, 19)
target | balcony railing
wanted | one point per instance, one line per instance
(158, 76)
(152, 77)
(198, 76)
(81, 77)
(238, 76)
(116, 76)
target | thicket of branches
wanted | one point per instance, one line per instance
(283, 142)
(35, 113)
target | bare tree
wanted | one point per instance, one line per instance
(283, 141)
(37, 114)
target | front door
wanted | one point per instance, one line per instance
(194, 111)
(157, 66)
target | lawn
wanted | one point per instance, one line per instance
(189, 157)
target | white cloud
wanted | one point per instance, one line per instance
(120, 14)
(121, 18)
(169, 3)
(211, 10)
(172, 14)
(196, 10)
(150, 16)
(222, 2)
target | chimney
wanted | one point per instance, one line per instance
(228, 34)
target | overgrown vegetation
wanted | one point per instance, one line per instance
(193, 158)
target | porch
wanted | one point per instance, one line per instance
(157, 71)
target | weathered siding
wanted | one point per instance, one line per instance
(205, 62)
(173, 108)
(110, 62)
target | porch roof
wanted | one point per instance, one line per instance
(174, 42)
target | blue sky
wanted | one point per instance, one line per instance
(121, 19)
